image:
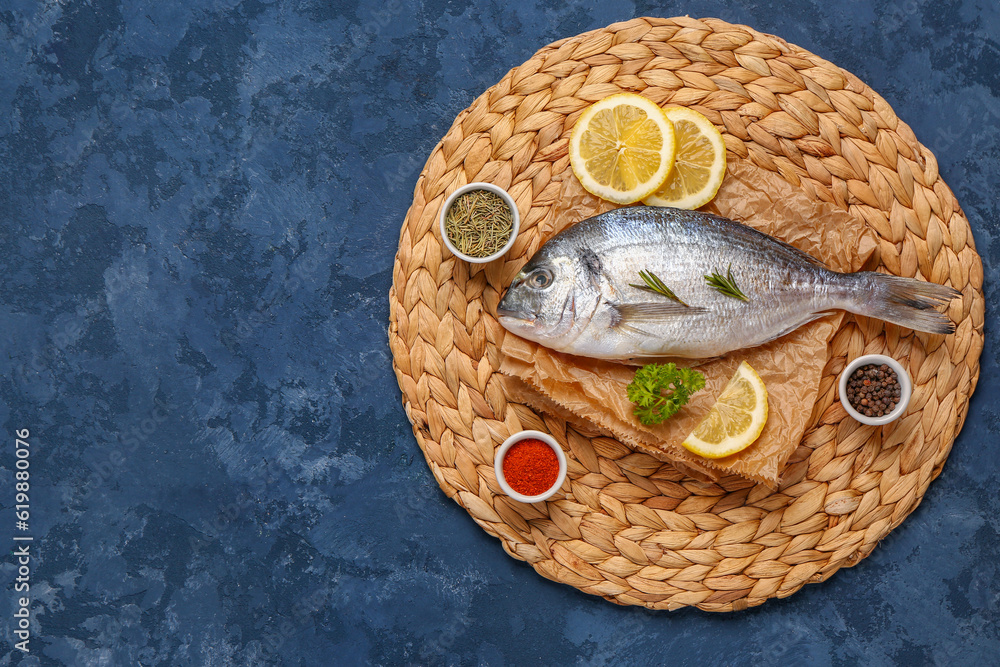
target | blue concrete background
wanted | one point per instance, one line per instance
(199, 207)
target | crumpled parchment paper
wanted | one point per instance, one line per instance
(592, 390)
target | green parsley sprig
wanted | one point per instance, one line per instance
(659, 391)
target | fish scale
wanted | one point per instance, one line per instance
(576, 294)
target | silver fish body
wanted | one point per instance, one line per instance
(578, 294)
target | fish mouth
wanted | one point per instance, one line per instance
(513, 315)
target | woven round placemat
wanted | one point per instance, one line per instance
(626, 526)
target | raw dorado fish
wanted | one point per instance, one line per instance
(577, 294)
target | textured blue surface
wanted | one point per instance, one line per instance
(199, 207)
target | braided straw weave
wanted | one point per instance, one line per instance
(626, 526)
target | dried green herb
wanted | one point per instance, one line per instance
(726, 285)
(479, 223)
(654, 284)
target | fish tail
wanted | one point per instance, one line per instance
(907, 302)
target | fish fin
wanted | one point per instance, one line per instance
(654, 311)
(629, 315)
(790, 252)
(904, 301)
(633, 329)
(793, 252)
(689, 362)
(792, 327)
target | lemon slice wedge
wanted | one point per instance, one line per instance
(735, 421)
(700, 165)
(622, 148)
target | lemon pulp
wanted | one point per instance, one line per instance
(700, 164)
(622, 148)
(735, 421)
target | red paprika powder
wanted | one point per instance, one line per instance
(530, 467)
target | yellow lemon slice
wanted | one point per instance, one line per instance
(622, 148)
(700, 165)
(736, 419)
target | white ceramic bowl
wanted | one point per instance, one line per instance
(905, 386)
(510, 442)
(516, 226)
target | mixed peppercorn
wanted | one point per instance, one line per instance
(873, 390)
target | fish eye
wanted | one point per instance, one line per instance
(539, 279)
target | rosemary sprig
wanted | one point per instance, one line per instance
(654, 284)
(726, 285)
